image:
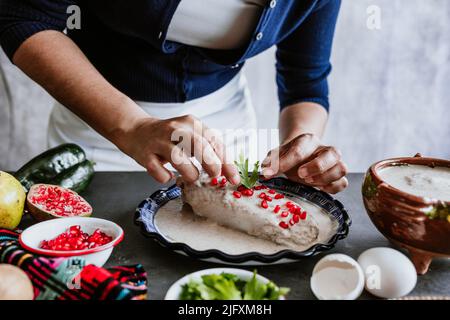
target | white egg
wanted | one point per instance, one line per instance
(388, 272)
(337, 277)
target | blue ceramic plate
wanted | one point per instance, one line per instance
(148, 209)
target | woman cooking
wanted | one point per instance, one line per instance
(137, 71)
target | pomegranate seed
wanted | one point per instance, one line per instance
(262, 195)
(272, 191)
(75, 239)
(303, 215)
(247, 192)
(241, 188)
(284, 214)
(296, 218)
(264, 204)
(257, 187)
(75, 228)
(237, 194)
(277, 209)
(289, 204)
(214, 181)
(292, 210)
(44, 244)
(268, 198)
(223, 181)
(279, 196)
(291, 222)
(59, 201)
(74, 231)
(283, 225)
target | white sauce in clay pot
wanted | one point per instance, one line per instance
(418, 180)
(177, 223)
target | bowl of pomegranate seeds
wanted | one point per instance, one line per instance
(90, 238)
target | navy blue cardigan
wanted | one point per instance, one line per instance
(125, 40)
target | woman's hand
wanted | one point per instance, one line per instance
(153, 143)
(305, 159)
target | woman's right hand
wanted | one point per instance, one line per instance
(154, 142)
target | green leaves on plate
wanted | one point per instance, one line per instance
(247, 180)
(226, 286)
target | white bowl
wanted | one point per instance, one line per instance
(337, 277)
(31, 238)
(175, 290)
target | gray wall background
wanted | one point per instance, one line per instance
(390, 88)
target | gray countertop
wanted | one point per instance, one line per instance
(115, 196)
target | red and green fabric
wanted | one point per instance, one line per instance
(70, 278)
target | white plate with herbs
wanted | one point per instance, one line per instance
(225, 284)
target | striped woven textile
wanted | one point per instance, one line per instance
(70, 279)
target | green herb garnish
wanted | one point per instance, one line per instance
(247, 180)
(227, 286)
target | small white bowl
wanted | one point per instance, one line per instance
(337, 277)
(175, 290)
(31, 238)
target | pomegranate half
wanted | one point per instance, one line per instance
(47, 201)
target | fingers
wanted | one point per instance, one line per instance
(181, 162)
(176, 141)
(210, 152)
(195, 139)
(329, 176)
(156, 169)
(187, 138)
(325, 171)
(231, 173)
(271, 163)
(305, 160)
(290, 155)
(336, 186)
(228, 169)
(324, 159)
(206, 155)
(333, 187)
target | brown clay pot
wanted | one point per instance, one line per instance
(405, 219)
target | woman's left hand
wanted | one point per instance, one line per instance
(305, 159)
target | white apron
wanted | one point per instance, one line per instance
(229, 108)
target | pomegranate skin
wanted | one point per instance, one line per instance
(41, 213)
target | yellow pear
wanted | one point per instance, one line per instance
(12, 201)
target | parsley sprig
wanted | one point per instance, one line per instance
(247, 180)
